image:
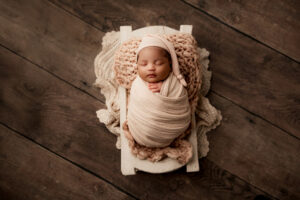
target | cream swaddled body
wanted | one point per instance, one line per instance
(158, 110)
(156, 119)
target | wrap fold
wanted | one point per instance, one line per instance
(156, 119)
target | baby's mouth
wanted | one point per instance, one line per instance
(151, 75)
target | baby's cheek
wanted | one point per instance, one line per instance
(164, 73)
(140, 72)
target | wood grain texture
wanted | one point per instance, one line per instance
(274, 23)
(28, 171)
(244, 71)
(61, 118)
(256, 151)
(52, 39)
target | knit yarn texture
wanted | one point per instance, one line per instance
(116, 65)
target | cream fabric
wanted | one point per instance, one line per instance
(156, 119)
(207, 116)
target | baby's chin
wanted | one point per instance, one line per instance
(151, 79)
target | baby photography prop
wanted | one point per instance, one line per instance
(155, 81)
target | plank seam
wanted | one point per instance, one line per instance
(66, 159)
(237, 30)
(202, 11)
(85, 92)
(225, 170)
(217, 19)
(74, 15)
(115, 186)
(256, 115)
(56, 76)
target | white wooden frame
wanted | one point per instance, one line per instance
(130, 163)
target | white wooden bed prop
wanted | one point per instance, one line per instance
(129, 163)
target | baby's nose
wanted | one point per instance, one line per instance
(151, 66)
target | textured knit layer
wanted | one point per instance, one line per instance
(112, 72)
(156, 119)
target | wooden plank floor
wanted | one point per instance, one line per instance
(52, 145)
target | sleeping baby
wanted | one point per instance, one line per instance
(158, 109)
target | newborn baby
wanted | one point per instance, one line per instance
(158, 109)
(154, 66)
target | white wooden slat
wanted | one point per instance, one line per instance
(186, 28)
(127, 159)
(193, 165)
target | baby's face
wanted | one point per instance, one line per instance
(153, 64)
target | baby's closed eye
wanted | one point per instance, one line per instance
(159, 62)
(142, 63)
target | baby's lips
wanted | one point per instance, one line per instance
(151, 75)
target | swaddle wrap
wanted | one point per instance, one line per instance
(156, 119)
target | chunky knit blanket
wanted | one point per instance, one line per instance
(115, 65)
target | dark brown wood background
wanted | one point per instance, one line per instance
(52, 145)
